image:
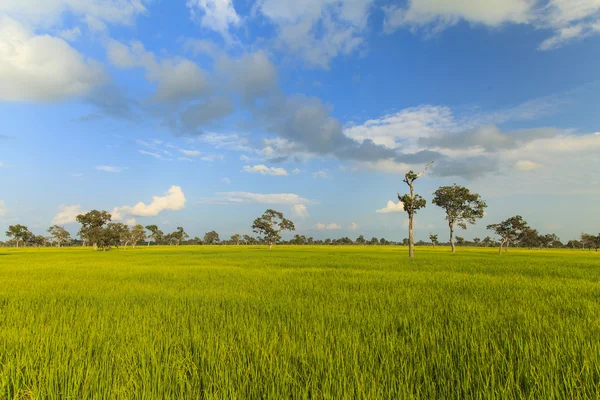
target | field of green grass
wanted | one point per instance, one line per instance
(229, 322)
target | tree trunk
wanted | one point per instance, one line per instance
(452, 237)
(270, 246)
(95, 246)
(17, 244)
(433, 243)
(500, 249)
(148, 242)
(507, 245)
(411, 240)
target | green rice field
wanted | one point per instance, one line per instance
(240, 322)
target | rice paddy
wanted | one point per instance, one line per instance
(238, 322)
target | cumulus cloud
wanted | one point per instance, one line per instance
(67, 214)
(226, 180)
(300, 211)
(327, 227)
(317, 31)
(217, 15)
(526, 165)
(392, 207)
(353, 227)
(175, 78)
(42, 68)
(264, 170)
(108, 168)
(173, 199)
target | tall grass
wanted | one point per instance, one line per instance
(299, 322)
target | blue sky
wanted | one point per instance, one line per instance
(203, 113)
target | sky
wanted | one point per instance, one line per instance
(204, 113)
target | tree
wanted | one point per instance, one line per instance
(137, 234)
(360, 240)
(235, 238)
(412, 203)
(59, 234)
(270, 225)
(374, 241)
(92, 227)
(529, 238)
(476, 241)
(155, 234)
(460, 241)
(19, 233)
(433, 238)
(179, 235)
(589, 241)
(508, 230)
(116, 233)
(487, 241)
(462, 207)
(211, 238)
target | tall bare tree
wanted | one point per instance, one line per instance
(412, 203)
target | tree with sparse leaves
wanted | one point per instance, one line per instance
(19, 233)
(462, 207)
(155, 234)
(412, 203)
(509, 230)
(59, 234)
(270, 225)
(136, 234)
(235, 238)
(178, 236)
(434, 239)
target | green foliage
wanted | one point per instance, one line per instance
(92, 228)
(462, 207)
(211, 237)
(18, 232)
(354, 322)
(412, 205)
(270, 225)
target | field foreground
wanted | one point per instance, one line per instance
(298, 322)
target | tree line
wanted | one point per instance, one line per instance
(461, 206)
(99, 232)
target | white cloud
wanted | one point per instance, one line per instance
(212, 157)
(184, 159)
(353, 227)
(48, 13)
(3, 210)
(42, 68)
(318, 30)
(217, 15)
(173, 199)
(77, 175)
(190, 153)
(568, 19)
(226, 180)
(327, 227)
(320, 175)
(392, 207)
(526, 165)
(408, 124)
(296, 171)
(264, 170)
(151, 154)
(244, 157)
(175, 78)
(300, 211)
(108, 168)
(70, 34)
(130, 222)
(67, 214)
(272, 198)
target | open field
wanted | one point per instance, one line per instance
(300, 322)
